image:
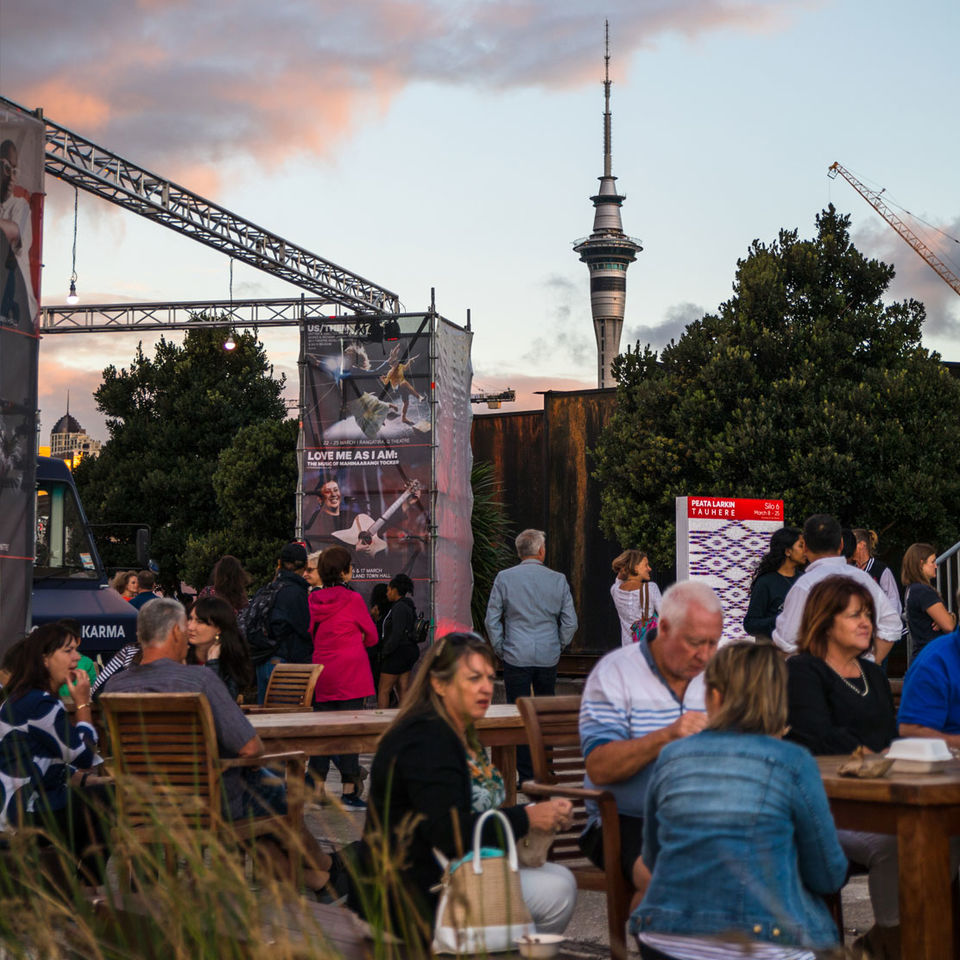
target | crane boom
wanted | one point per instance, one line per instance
(876, 201)
(86, 165)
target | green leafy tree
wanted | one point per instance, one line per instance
(169, 417)
(255, 484)
(804, 386)
(491, 532)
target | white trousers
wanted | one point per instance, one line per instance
(550, 893)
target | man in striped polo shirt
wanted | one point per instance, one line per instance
(638, 699)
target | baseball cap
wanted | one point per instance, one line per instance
(294, 553)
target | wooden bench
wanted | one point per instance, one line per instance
(553, 731)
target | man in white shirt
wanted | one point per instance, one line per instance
(16, 226)
(824, 544)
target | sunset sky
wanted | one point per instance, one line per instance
(449, 144)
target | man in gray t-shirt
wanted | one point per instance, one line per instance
(162, 630)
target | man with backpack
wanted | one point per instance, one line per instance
(277, 621)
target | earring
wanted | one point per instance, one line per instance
(216, 639)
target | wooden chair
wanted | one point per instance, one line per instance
(169, 774)
(553, 732)
(290, 689)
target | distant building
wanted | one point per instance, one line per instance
(69, 441)
(607, 252)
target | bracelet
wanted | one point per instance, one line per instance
(83, 779)
(82, 706)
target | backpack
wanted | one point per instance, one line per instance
(420, 631)
(254, 622)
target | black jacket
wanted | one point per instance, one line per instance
(290, 619)
(420, 774)
(398, 626)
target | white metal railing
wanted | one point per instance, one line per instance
(948, 568)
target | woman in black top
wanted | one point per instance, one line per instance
(776, 574)
(214, 640)
(838, 700)
(429, 782)
(926, 613)
(398, 647)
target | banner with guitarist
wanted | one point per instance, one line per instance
(367, 458)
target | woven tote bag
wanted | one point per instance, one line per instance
(481, 904)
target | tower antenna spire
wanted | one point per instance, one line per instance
(607, 158)
(608, 251)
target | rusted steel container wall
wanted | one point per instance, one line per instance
(576, 545)
(513, 443)
(541, 460)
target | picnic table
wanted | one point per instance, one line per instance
(923, 812)
(357, 731)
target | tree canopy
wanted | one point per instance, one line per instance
(169, 417)
(803, 386)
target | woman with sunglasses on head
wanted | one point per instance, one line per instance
(430, 781)
(634, 594)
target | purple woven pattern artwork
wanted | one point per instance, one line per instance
(724, 554)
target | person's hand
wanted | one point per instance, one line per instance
(552, 814)
(78, 686)
(693, 721)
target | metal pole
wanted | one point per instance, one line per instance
(301, 406)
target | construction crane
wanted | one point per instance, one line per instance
(495, 400)
(85, 165)
(873, 197)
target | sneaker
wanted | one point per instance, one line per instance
(353, 801)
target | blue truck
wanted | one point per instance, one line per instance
(69, 579)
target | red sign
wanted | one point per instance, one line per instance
(734, 508)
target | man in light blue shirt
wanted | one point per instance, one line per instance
(530, 620)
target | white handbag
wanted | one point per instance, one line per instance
(481, 907)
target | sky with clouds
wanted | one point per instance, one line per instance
(455, 143)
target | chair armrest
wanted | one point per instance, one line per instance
(296, 756)
(256, 708)
(533, 789)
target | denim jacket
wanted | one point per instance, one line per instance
(740, 839)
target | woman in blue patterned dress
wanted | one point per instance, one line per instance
(45, 759)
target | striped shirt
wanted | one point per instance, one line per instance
(625, 698)
(703, 948)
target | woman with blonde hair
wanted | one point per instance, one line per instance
(634, 594)
(925, 612)
(738, 819)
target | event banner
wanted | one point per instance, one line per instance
(720, 540)
(21, 219)
(368, 433)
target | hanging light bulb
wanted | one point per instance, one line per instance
(229, 344)
(72, 296)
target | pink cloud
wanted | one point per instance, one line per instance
(178, 86)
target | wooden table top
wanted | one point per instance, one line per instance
(912, 789)
(361, 722)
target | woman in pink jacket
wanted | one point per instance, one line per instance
(342, 630)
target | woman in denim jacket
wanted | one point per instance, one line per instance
(738, 832)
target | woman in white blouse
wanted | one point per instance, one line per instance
(634, 594)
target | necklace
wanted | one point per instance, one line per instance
(852, 686)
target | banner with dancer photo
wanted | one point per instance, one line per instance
(720, 540)
(368, 435)
(21, 218)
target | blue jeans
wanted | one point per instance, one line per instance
(518, 682)
(263, 677)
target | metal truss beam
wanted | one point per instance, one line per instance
(193, 314)
(185, 315)
(85, 165)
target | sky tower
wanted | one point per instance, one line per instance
(608, 251)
